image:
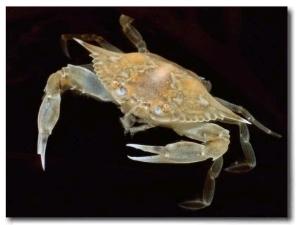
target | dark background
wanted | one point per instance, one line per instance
(242, 51)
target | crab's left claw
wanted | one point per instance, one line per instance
(47, 118)
(42, 142)
(77, 78)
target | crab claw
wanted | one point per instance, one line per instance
(179, 152)
(150, 159)
(42, 142)
(148, 148)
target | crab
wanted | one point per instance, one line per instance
(152, 91)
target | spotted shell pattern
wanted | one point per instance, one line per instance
(148, 82)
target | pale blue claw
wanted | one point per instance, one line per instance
(179, 152)
(148, 148)
(41, 148)
(150, 159)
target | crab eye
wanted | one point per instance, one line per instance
(162, 109)
(121, 91)
(158, 110)
(161, 113)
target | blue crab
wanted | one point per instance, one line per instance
(152, 91)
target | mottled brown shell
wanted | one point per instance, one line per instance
(156, 87)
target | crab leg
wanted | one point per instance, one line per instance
(215, 143)
(250, 161)
(68, 78)
(247, 115)
(185, 152)
(208, 190)
(87, 37)
(128, 120)
(132, 34)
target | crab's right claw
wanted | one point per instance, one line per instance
(177, 153)
(150, 159)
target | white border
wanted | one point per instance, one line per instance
(290, 3)
(294, 80)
